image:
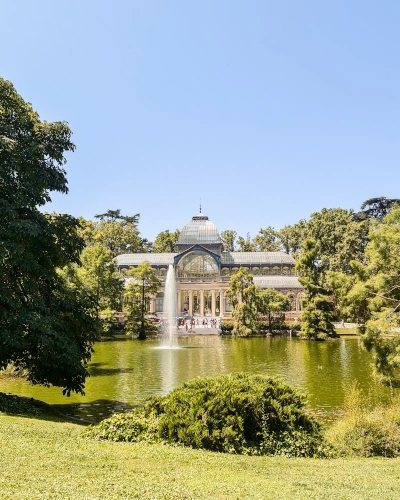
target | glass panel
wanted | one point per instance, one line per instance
(285, 271)
(196, 302)
(197, 264)
(207, 303)
(255, 271)
(276, 271)
(225, 271)
(159, 302)
(265, 271)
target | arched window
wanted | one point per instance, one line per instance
(266, 271)
(225, 271)
(285, 271)
(276, 271)
(163, 272)
(255, 271)
(197, 264)
(292, 302)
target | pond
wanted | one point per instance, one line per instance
(124, 373)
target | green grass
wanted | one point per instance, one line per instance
(50, 459)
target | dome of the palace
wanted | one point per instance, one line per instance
(199, 231)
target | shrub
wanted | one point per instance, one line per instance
(227, 326)
(136, 425)
(366, 431)
(237, 413)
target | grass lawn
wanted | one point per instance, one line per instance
(47, 458)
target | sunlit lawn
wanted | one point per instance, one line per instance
(49, 459)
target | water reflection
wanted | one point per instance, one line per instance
(124, 374)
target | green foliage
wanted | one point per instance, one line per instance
(165, 242)
(228, 238)
(115, 232)
(242, 295)
(134, 426)
(236, 413)
(291, 238)
(227, 326)
(366, 431)
(317, 315)
(377, 287)
(376, 208)
(14, 405)
(339, 239)
(97, 276)
(140, 289)
(266, 240)
(246, 244)
(45, 328)
(271, 303)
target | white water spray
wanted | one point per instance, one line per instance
(170, 308)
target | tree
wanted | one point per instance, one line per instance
(117, 233)
(378, 283)
(339, 239)
(266, 240)
(115, 215)
(165, 242)
(137, 298)
(270, 303)
(45, 327)
(246, 245)
(317, 315)
(228, 238)
(98, 276)
(376, 208)
(242, 295)
(291, 238)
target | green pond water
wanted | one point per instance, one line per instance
(125, 373)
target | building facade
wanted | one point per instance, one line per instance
(203, 270)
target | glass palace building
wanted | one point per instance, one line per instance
(203, 269)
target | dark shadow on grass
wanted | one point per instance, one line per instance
(24, 407)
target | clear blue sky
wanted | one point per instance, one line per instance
(266, 110)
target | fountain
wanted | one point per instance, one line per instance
(170, 310)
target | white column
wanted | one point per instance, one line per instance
(201, 302)
(213, 304)
(179, 301)
(222, 302)
(191, 302)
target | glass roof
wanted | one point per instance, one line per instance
(200, 231)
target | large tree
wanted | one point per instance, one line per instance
(243, 296)
(228, 238)
(318, 306)
(45, 327)
(266, 240)
(379, 284)
(339, 239)
(115, 232)
(143, 285)
(376, 208)
(272, 303)
(98, 276)
(165, 241)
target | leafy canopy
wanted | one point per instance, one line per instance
(45, 326)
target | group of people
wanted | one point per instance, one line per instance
(189, 325)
